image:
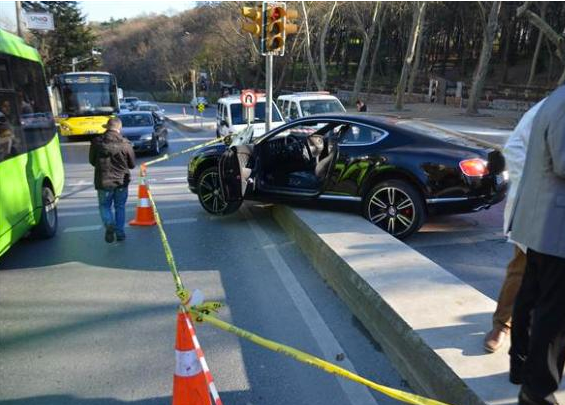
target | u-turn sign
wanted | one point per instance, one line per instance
(248, 98)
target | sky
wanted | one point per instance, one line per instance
(103, 10)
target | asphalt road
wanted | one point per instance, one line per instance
(86, 322)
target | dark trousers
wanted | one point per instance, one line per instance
(538, 327)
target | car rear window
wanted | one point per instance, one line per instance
(311, 107)
(136, 120)
(238, 118)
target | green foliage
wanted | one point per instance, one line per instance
(71, 37)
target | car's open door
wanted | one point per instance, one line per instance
(235, 170)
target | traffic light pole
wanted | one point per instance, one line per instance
(269, 91)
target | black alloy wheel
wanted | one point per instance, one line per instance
(396, 207)
(47, 225)
(211, 196)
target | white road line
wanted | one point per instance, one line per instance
(88, 228)
(92, 228)
(330, 347)
(130, 207)
(179, 221)
(80, 184)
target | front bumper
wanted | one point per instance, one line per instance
(142, 145)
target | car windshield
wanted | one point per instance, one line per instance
(238, 118)
(136, 120)
(130, 99)
(311, 107)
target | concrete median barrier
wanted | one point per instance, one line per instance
(430, 323)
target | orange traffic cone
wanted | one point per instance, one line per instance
(144, 212)
(189, 384)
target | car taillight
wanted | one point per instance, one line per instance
(474, 167)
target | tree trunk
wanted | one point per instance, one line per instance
(374, 58)
(323, 68)
(313, 70)
(416, 64)
(367, 38)
(417, 19)
(486, 51)
(538, 48)
(508, 30)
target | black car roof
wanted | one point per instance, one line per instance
(383, 122)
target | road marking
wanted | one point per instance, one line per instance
(92, 228)
(327, 342)
(88, 228)
(179, 221)
(129, 207)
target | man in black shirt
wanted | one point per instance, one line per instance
(361, 106)
(112, 157)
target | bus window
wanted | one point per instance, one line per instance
(10, 138)
(34, 108)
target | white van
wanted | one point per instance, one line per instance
(230, 118)
(303, 104)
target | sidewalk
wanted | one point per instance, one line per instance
(191, 122)
(429, 323)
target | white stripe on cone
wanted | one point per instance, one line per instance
(144, 203)
(187, 364)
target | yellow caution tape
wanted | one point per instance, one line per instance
(312, 360)
(202, 314)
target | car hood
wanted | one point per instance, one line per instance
(136, 131)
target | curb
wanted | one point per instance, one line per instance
(430, 356)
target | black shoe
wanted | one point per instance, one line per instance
(109, 235)
(517, 369)
(120, 238)
(525, 398)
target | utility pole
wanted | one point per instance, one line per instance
(18, 18)
(74, 63)
(269, 90)
(193, 79)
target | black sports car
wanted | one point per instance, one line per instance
(401, 171)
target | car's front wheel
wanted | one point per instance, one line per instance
(211, 196)
(396, 207)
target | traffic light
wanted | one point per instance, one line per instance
(253, 25)
(276, 27)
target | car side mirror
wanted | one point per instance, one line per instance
(224, 123)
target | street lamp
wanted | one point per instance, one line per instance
(75, 61)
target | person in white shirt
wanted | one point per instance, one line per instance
(515, 156)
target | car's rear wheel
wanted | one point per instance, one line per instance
(396, 207)
(211, 196)
(47, 225)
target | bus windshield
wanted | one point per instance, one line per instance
(88, 95)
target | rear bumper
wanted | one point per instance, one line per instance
(460, 205)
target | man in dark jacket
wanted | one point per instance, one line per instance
(112, 157)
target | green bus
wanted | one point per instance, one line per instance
(31, 166)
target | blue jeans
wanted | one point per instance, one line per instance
(118, 197)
